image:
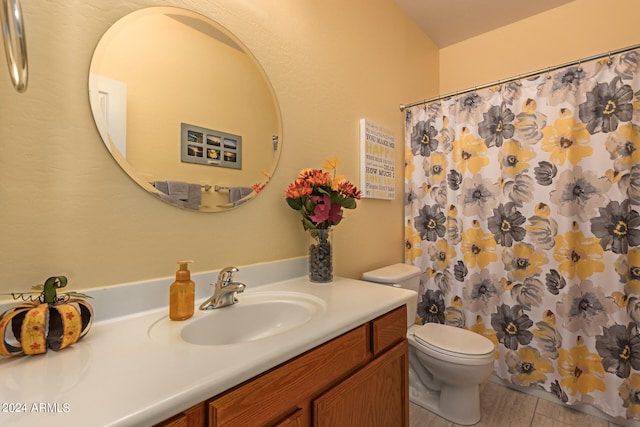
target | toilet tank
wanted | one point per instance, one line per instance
(400, 275)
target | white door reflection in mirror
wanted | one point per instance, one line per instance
(112, 104)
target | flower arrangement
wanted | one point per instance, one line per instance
(321, 196)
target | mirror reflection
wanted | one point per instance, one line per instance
(185, 109)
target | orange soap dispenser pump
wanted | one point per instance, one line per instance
(182, 293)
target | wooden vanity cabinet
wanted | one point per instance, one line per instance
(359, 379)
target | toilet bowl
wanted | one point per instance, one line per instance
(447, 364)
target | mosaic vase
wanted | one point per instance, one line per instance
(320, 256)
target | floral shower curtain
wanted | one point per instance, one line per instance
(523, 211)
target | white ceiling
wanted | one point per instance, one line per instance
(447, 22)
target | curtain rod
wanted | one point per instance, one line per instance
(519, 77)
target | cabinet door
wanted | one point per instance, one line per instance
(264, 400)
(375, 396)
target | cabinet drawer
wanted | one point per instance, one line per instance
(270, 396)
(388, 329)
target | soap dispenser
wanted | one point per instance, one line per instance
(182, 293)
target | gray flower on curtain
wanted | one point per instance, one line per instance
(619, 347)
(431, 308)
(424, 138)
(617, 227)
(511, 326)
(506, 224)
(454, 179)
(478, 196)
(528, 293)
(630, 184)
(430, 223)
(497, 126)
(628, 64)
(554, 282)
(579, 193)
(563, 85)
(607, 105)
(624, 146)
(482, 292)
(529, 123)
(545, 172)
(585, 308)
(468, 107)
(460, 271)
(542, 228)
(520, 189)
(557, 390)
(546, 336)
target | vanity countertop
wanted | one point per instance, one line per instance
(118, 376)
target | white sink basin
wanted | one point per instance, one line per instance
(257, 315)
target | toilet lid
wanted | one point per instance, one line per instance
(453, 340)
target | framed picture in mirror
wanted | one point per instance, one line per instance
(210, 147)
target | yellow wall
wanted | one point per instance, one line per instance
(568, 33)
(68, 208)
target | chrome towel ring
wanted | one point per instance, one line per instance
(15, 43)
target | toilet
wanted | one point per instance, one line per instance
(447, 364)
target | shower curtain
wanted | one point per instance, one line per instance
(522, 209)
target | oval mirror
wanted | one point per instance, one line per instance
(185, 109)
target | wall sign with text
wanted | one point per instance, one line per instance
(377, 161)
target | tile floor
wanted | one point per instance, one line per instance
(505, 407)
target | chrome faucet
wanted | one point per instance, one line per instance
(225, 290)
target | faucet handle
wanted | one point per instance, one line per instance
(226, 275)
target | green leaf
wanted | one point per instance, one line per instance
(308, 224)
(294, 203)
(322, 190)
(349, 203)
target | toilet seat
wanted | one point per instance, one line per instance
(454, 342)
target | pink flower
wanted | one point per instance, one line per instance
(325, 210)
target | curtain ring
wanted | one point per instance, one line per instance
(609, 60)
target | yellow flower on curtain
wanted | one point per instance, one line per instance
(441, 254)
(527, 366)
(566, 139)
(624, 146)
(478, 247)
(480, 328)
(577, 254)
(629, 391)
(514, 158)
(469, 153)
(412, 243)
(581, 371)
(523, 261)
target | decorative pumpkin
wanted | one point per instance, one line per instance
(50, 321)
